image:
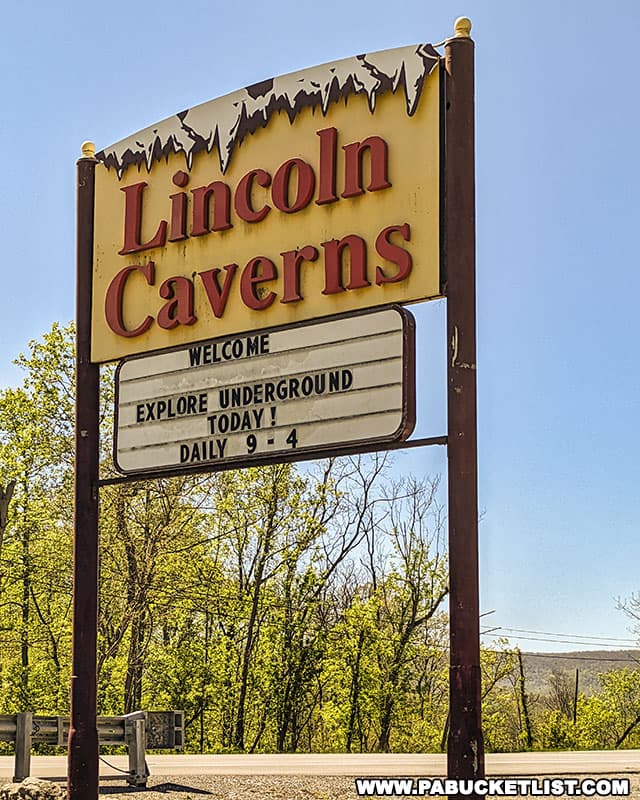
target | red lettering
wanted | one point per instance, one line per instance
(178, 227)
(394, 253)
(379, 156)
(179, 310)
(114, 298)
(305, 185)
(327, 166)
(242, 200)
(258, 270)
(221, 208)
(133, 222)
(291, 263)
(333, 256)
(218, 297)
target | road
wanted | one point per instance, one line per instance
(616, 762)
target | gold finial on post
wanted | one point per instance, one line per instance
(88, 150)
(462, 28)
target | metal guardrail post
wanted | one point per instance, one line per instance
(135, 738)
(60, 731)
(178, 721)
(162, 729)
(24, 726)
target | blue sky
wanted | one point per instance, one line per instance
(557, 211)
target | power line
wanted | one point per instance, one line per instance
(628, 660)
(569, 635)
(557, 641)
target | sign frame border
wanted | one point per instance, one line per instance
(402, 433)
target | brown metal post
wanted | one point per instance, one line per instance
(22, 763)
(465, 746)
(83, 733)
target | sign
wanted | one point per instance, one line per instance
(310, 391)
(305, 196)
(232, 222)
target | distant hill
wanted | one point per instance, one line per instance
(538, 667)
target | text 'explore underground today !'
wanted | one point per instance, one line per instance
(278, 394)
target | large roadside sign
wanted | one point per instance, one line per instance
(306, 391)
(229, 257)
(304, 196)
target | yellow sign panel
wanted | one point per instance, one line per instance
(305, 196)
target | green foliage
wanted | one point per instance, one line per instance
(612, 718)
(557, 731)
(35, 553)
(282, 608)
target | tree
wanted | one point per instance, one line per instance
(5, 500)
(502, 717)
(35, 458)
(631, 607)
(282, 607)
(411, 586)
(560, 696)
(147, 531)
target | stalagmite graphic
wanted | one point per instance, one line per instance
(299, 197)
(223, 123)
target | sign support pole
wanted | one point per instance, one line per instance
(83, 732)
(465, 752)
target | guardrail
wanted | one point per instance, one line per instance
(139, 731)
